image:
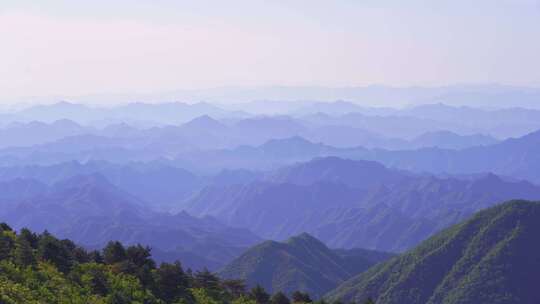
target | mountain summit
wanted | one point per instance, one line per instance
(300, 263)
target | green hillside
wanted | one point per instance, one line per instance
(40, 268)
(494, 257)
(301, 263)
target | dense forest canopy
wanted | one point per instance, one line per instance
(40, 268)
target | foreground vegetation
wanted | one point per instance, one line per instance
(39, 268)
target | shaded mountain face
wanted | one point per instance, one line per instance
(356, 174)
(490, 258)
(19, 189)
(274, 211)
(300, 263)
(349, 203)
(91, 211)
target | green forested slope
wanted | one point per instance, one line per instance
(39, 269)
(494, 257)
(301, 263)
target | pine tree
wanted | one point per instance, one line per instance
(171, 283)
(260, 295)
(5, 227)
(206, 280)
(114, 252)
(30, 237)
(301, 297)
(235, 287)
(52, 250)
(279, 298)
(24, 254)
(6, 244)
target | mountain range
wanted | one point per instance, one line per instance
(348, 203)
(516, 157)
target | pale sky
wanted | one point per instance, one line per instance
(73, 48)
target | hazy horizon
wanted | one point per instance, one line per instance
(376, 95)
(63, 49)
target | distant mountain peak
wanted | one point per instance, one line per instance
(300, 263)
(66, 123)
(204, 122)
(304, 237)
(94, 182)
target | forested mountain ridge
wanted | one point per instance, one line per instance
(40, 268)
(491, 258)
(300, 263)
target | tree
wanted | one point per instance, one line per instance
(6, 245)
(140, 263)
(202, 296)
(206, 280)
(24, 255)
(235, 287)
(140, 256)
(52, 250)
(94, 277)
(369, 301)
(114, 252)
(260, 295)
(301, 297)
(81, 255)
(243, 300)
(5, 227)
(170, 282)
(279, 298)
(30, 237)
(95, 256)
